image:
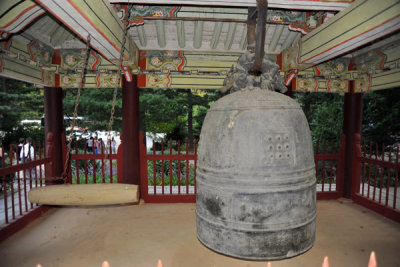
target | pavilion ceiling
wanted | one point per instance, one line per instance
(205, 29)
(194, 44)
(52, 32)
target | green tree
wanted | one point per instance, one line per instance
(95, 106)
(380, 122)
(162, 110)
(179, 113)
(19, 101)
(381, 116)
(324, 113)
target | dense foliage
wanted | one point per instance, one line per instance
(381, 117)
(95, 107)
(180, 113)
(169, 111)
(324, 113)
(380, 122)
(19, 101)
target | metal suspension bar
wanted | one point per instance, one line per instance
(262, 6)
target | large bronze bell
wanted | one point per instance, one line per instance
(256, 195)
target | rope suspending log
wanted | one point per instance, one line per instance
(117, 81)
(64, 176)
(78, 95)
(88, 194)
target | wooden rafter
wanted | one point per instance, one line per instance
(230, 35)
(89, 18)
(290, 39)
(142, 35)
(180, 29)
(275, 38)
(198, 34)
(283, 4)
(216, 35)
(16, 16)
(243, 40)
(160, 29)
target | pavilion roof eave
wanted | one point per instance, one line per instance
(281, 4)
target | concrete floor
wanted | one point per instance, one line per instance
(139, 235)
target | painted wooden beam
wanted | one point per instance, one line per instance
(230, 35)
(216, 35)
(180, 30)
(27, 60)
(16, 15)
(284, 4)
(362, 22)
(198, 34)
(384, 80)
(91, 17)
(160, 29)
(18, 69)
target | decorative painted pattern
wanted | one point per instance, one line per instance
(302, 27)
(306, 85)
(378, 68)
(362, 83)
(158, 80)
(337, 86)
(286, 15)
(137, 12)
(290, 57)
(163, 60)
(48, 78)
(188, 70)
(334, 67)
(370, 61)
(383, 58)
(106, 80)
(154, 11)
(26, 60)
(321, 85)
(40, 52)
(102, 80)
(70, 80)
(72, 59)
(326, 77)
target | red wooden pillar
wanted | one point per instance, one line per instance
(130, 131)
(352, 119)
(53, 123)
(289, 92)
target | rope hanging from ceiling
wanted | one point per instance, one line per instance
(87, 194)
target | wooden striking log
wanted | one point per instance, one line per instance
(85, 194)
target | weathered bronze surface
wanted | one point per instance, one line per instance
(256, 177)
